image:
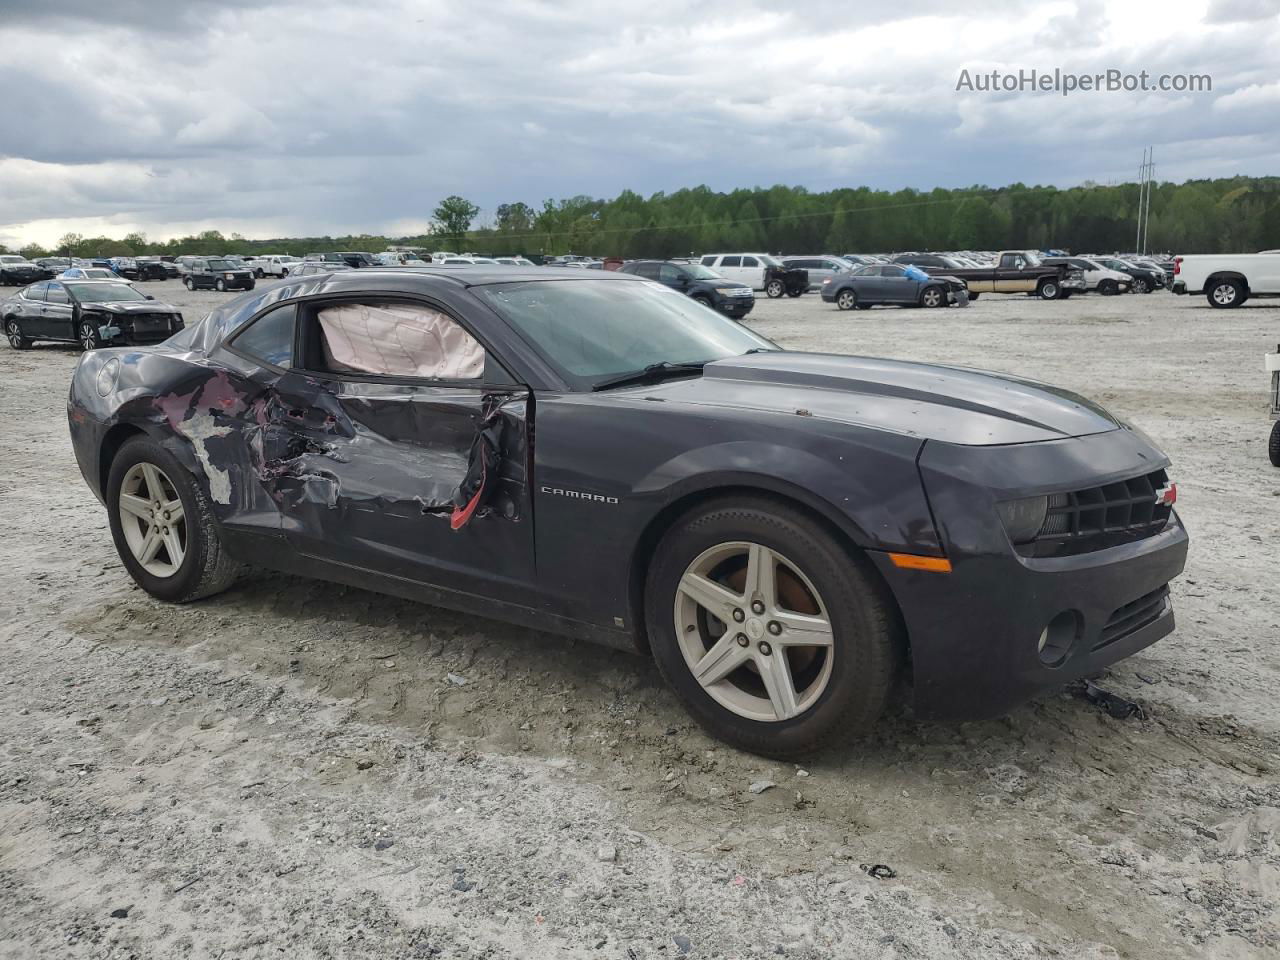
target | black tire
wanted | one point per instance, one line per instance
(220, 285)
(704, 300)
(1108, 288)
(206, 569)
(972, 297)
(13, 332)
(795, 292)
(284, 272)
(1049, 290)
(258, 274)
(774, 289)
(1224, 294)
(251, 285)
(89, 338)
(1141, 285)
(846, 299)
(867, 648)
(188, 283)
(933, 297)
(1273, 444)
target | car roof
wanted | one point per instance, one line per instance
(481, 274)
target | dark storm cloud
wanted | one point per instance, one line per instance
(319, 116)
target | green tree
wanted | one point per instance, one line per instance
(453, 218)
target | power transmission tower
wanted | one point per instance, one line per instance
(1146, 178)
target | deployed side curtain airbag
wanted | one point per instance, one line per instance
(399, 340)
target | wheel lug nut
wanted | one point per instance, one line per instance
(739, 616)
(775, 627)
(757, 606)
(742, 640)
(766, 649)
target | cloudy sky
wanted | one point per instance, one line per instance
(312, 117)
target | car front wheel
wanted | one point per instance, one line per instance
(1273, 445)
(846, 299)
(775, 637)
(163, 528)
(932, 297)
(89, 338)
(1049, 290)
(220, 285)
(1141, 286)
(13, 333)
(774, 289)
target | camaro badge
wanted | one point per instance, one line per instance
(579, 495)
(1167, 495)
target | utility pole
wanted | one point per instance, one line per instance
(1146, 175)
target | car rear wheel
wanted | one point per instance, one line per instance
(13, 332)
(284, 273)
(1273, 445)
(89, 337)
(1049, 290)
(163, 528)
(932, 297)
(773, 635)
(186, 282)
(258, 273)
(774, 289)
(846, 300)
(1226, 293)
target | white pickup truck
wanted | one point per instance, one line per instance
(1228, 279)
(272, 265)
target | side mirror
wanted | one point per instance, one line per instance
(148, 296)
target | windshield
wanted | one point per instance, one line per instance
(769, 261)
(220, 265)
(699, 272)
(103, 292)
(594, 329)
(1033, 258)
(12, 260)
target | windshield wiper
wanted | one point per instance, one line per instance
(654, 371)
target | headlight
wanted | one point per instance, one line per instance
(228, 276)
(826, 279)
(107, 376)
(1023, 518)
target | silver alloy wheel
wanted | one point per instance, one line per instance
(88, 338)
(153, 519)
(846, 299)
(742, 638)
(1140, 285)
(220, 286)
(1049, 291)
(932, 297)
(15, 335)
(775, 289)
(1225, 293)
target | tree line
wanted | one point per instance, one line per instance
(1240, 214)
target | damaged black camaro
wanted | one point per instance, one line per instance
(786, 533)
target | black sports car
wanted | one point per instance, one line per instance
(597, 455)
(88, 312)
(15, 270)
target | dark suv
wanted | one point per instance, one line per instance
(353, 259)
(220, 274)
(730, 297)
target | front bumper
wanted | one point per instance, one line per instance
(1074, 283)
(974, 632)
(737, 307)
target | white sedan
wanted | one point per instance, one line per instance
(91, 273)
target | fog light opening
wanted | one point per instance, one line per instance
(1058, 637)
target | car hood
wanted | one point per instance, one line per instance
(122, 307)
(948, 404)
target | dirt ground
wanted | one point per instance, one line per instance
(302, 770)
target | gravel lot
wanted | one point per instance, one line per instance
(297, 769)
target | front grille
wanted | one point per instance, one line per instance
(1134, 616)
(1094, 517)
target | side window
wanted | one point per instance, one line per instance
(893, 270)
(731, 262)
(270, 337)
(35, 291)
(671, 274)
(750, 262)
(396, 340)
(708, 261)
(873, 270)
(647, 270)
(58, 294)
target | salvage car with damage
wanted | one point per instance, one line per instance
(596, 455)
(88, 312)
